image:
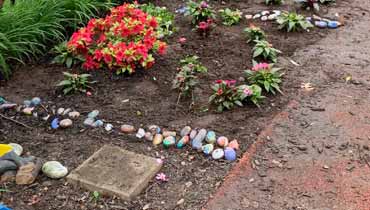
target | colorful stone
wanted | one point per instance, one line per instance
(230, 154)
(168, 133)
(211, 137)
(66, 123)
(140, 133)
(234, 144)
(55, 123)
(193, 134)
(207, 149)
(185, 131)
(158, 139)
(222, 141)
(218, 154)
(148, 136)
(93, 114)
(127, 128)
(183, 141)
(169, 141)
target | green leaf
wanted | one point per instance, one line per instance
(257, 52)
(64, 83)
(67, 90)
(69, 62)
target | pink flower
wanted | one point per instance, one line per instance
(203, 25)
(204, 4)
(230, 82)
(248, 91)
(260, 66)
(88, 93)
(182, 40)
(161, 177)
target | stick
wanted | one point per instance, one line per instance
(15, 121)
(44, 108)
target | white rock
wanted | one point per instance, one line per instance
(272, 17)
(256, 16)
(74, 114)
(248, 17)
(65, 123)
(108, 127)
(264, 18)
(67, 111)
(18, 149)
(60, 111)
(140, 133)
(265, 13)
(54, 170)
(89, 122)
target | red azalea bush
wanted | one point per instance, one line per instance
(122, 41)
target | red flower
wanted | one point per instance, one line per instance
(203, 25)
(219, 81)
(219, 91)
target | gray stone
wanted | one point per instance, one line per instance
(89, 122)
(93, 114)
(114, 171)
(54, 170)
(67, 111)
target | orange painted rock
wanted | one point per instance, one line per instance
(222, 141)
(234, 144)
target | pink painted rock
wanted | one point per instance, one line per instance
(234, 144)
(222, 141)
(127, 129)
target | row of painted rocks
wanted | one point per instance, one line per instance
(199, 139)
(264, 15)
(24, 170)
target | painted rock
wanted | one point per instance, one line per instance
(35, 101)
(54, 170)
(321, 24)
(27, 103)
(66, 111)
(185, 131)
(201, 135)
(154, 129)
(17, 148)
(207, 149)
(158, 138)
(218, 154)
(183, 141)
(93, 114)
(127, 128)
(272, 17)
(55, 123)
(140, 133)
(108, 127)
(222, 141)
(234, 144)
(168, 133)
(264, 18)
(333, 24)
(89, 122)
(74, 114)
(148, 136)
(248, 17)
(256, 16)
(193, 134)
(27, 110)
(211, 137)
(277, 12)
(197, 145)
(169, 141)
(97, 124)
(265, 12)
(60, 111)
(230, 154)
(35, 115)
(66, 123)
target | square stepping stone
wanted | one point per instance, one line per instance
(115, 171)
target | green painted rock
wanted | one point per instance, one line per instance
(169, 141)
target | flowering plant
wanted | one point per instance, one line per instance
(264, 51)
(204, 27)
(254, 33)
(266, 76)
(251, 92)
(122, 41)
(200, 12)
(230, 17)
(75, 82)
(164, 18)
(293, 22)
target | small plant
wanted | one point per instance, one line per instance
(205, 27)
(266, 76)
(75, 82)
(164, 18)
(200, 12)
(252, 93)
(254, 33)
(95, 196)
(64, 56)
(275, 2)
(263, 51)
(293, 22)
(186, 79)
(230, 17)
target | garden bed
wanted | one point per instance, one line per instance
(192, 176)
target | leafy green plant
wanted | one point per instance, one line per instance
(276, 2)
(200, 12)
(187, 77)
(266, 76)
(164, 18)
(254, 33)
(230, 17)
(293, 22)
(75, 82)
(251, 93)
(263, 51)
(64, 56)
(95, 196)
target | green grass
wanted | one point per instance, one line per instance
(30, 27)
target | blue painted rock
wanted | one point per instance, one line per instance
(321, 24)
(35, 101)
(97, 124)
(183, 141)
(230, 154)
(218, 154)
(127, 129)
(93, 114)
(333, 24)
(27, 103)
(65, 123)
(197, 145)
(158, 138)
(140, 133)
(185, 131)
(207, 149)
(89, 122)
(193, 134)
(198, 140)
(168, 133)
(169, 141)
(55, 123)
(54, 170)
(222, 141)
(211, 137)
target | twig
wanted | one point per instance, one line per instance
(15, 121)
(44, 108)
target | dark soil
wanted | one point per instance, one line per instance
(192, 176)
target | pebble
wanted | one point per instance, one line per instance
(60, 111)
(333, 24)
(168, 133)
(97, 124)
(89, 122)
(272, 17)
(35, 115)
(183, 141)
(222, 141)
(265, 12)
(54, 170)
(198, 140)
(248, 17)
(256, 16)
(27, 110)
(108, 127)
(193, 133)
(27, 103)
(169, 141)
(55, 123)
(207, 149)
(180, 202)
(211, 137)
(148, 136)
(218, 154)
(185, 131)
(277, 12)
(234, 144)
(321, 24)
(93, 114)
(154, 129)
(230, 154)
(35, 101)
(66, 111)
(74, 114)
(17, 148)
(264, 18)
(127, 128)
(66, 123)
(197, 145)
(158, 138)
(140, 133)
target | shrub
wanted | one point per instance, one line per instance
(230, 17)
(276, 2)
(122, 41)
(75, 82)
(164, 18)
(266, 76)
(293, 22)
(254, 33)
(263, 51)
(200, 12)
